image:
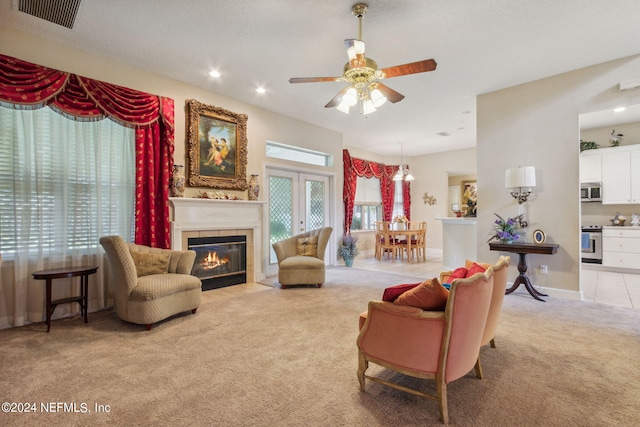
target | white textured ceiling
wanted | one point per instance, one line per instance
(480, 46)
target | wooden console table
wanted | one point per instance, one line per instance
(522, 249)
(61, 273)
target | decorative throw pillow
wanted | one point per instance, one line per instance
(391, 293)
(475, 268)
(429, 295)
(307, 246)
(458, 273)
(468, 264)
(147, 264)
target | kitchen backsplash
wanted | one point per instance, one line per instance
(599, 214)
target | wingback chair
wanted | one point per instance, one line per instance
(438, 345)
(301, 258)
(154, 286)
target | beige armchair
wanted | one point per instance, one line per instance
(151, 284)
(301, 258)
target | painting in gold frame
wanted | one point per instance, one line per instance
(216, 147)
(469, 198)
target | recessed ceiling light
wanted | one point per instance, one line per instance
(214, 73)
(260, 89)
(619, 110)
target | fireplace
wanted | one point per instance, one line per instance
(220, 261)
(195, 217)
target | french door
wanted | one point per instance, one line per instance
(298, 202)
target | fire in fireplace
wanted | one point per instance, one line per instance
(220, 261)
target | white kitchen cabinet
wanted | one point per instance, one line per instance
(635, 176)
(621, 247)
(590, 166)
(620, 175)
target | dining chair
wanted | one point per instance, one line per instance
(418, 240)
(389, 245)
(380, 228)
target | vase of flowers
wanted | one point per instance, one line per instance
(506, 231)
(348, 249)
(400, 222)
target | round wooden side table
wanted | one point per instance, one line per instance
(61, 273)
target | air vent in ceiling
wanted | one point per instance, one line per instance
(444, 133)
(61, 12)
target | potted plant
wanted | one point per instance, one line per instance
(348, 249)
(506, 231)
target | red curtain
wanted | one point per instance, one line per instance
(388, 191)
(27, 85)
(406, 199)
(353, 168)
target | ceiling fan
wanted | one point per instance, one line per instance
(363, 76)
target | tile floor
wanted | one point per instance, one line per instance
(621, 289)
(606, 287)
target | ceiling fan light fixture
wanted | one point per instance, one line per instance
(377, 98)
(361, 75)
(350, 98)
(368, 107)
(343, 107)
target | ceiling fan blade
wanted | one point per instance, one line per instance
(390, 94)
(338, 98)
(412, 68)
(355, 52)
(314, 79)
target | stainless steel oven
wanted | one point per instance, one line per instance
(591, 243)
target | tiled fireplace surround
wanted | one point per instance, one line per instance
(212, 218)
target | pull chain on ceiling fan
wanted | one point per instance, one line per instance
(362, 75)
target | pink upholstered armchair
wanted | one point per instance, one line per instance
(500, 274)
(442, 346)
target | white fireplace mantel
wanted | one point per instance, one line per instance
(191, 214)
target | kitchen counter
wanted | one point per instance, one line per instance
(459, 240)
(456, 220)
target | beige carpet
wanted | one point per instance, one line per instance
(288, 358)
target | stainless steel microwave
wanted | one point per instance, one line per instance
(591, 192)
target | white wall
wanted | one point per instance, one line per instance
(431, 173)
(536, 124)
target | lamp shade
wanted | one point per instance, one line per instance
(520, 177)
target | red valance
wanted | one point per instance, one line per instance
(27, 85)
(354, 168)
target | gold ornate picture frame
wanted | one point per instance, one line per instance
(216, 147)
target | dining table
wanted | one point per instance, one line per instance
(404, 235)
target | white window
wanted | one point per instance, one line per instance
(398, 206)
(63, 183)
(277, 150)
(367, 207)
